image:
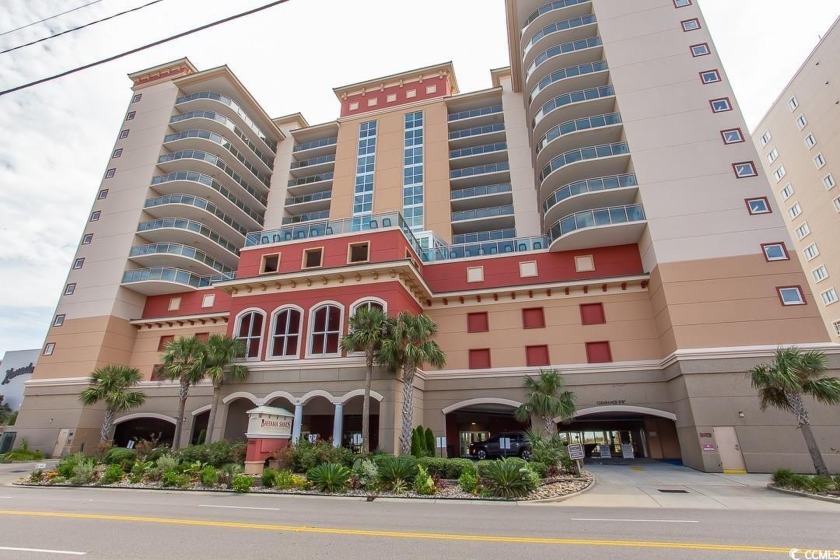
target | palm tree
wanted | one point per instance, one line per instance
(782, 384)
(546, 399)
(111, 384)
(183, 360)
(220, 352)
(368, 326)
(408, 348)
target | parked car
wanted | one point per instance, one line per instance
(519, 446)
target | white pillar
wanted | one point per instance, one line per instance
(338, 424)
(298, 422)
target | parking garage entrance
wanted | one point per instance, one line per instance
(473, 422)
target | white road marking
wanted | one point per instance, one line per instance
(43, 550)
(239, 507)
(641, 520)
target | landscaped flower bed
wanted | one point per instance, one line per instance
(809, 484)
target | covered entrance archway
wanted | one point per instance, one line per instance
(476, 420)
(149, 426)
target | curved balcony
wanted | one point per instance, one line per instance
(572, 29)
(493, 195)
(176, 161)
(309, 202)
(240, 114)
(582, 76)
(310, 184)
(583, 163)
(491, 218)
(180, 205)
(574, 105)
(206, 186)
(602, 227)
(164, 280)
(599, 192)
(581, 7)
(566, 54)
(194, 139)
(175, 254)
(315, 148)
(320, 164)
(486, 153)
(480, 174)
(189, 232)
(486, 134)
(220, 124)
(555, 137)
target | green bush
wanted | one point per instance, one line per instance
(367, 473)
(140, 470)
(818, 484)
(214, 454)
(540, 468)
(241, 483)
(167, 463)
(268, 476)
(228, 472)
(172, 477)
(508, 478)
(121, 456)
(84, 471)
(837, 482)
(329, 477)
(782, 477)
(430, 441)
(468, 481)
(798, 482)
(424, 485)
(303, 456)
(67, 464)
(209, 476)
(395, 473)
(22, 453)
(287, 480)
(446, 468)
(113, 474)
(36, 476)
(550, 450)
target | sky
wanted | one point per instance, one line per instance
(56, 138)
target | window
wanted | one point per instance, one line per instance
(249, 331)
(368, 304)
(480, 359)
(690, 24)
(270, 264)
(765, 138)
(164, 342)
(779, 173)
(744, 169)
(787, 192)
(285, 335)
(811, 252)
(682, 3)
(758, 205)
(791, 295)
(124, 134)
(208, 300)
(87, 239)
(837, 203)
(536, 356)
(773, 155)
(136, 97)
(793, 103)
(358, 252)
(836, 327)
(592, 314)
(700, 50)
(829, 296)
(533, 318)
(478, 322)
(803, 231)
(775, 252)
(110, 173)
(820, 273)
(794, 211)
(326, 329)
(801, 122)
(431, 89)
(312, 257)
(130, 116)
(598, 352)
(49, 348)
(174, 304)
(810, 141)
(59, 320)
(720, 105)
(69, 289)
(732, 136)
(94, 217)
(829, 182)
(78, 263)
(103, 194)
(710, 76)
(819, 161)
(117, 153)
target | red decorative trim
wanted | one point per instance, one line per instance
(784, 249)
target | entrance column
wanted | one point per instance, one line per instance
(298, 422)
(338, 424)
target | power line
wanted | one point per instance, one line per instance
(49, 18)
(143, 48)
(54, 35)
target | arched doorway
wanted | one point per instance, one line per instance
(476, 420)
(199, 426)
(352, 421)
(318, 416)
(136, 427)
(237, 418)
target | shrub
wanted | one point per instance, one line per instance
(429, 436)
(540, 468)
(241, 483)
(446, 468)
(424, 485)
(67, 464)
(508, 478)
(303, 456)
(329, 477)
(209, 476)
(837, 482)
(818, 484)
(550, 450)
(228, 472)
(782, 477)
(287, 480)
(113, 474)
(798, 482)
(167, 463)
(139, 470)
(172, 477)
(268, 476)
(468, 481)
(151, 449)
(84, 471)
(396, 472)
(214, 454)
(121, 456)
(22, 453)
(367, 473)
(36, 476)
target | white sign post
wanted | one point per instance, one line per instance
(504, 445)
(440, 443)
(576, 453)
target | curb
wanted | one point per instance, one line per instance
(562, 498)
(804, 494)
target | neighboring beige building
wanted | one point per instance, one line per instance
(799, 141)
(597, 210)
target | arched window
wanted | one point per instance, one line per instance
(367, 304)
(285, 336)
(325, 329)
(249, 331)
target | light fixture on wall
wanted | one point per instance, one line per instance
(740, 414)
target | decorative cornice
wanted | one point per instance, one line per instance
(180, 321)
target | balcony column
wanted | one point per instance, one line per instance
(338, 424)
(297, 423)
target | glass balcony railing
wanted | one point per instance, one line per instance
(564, 73)
(585, 123)
(476, 150)
(454, 135)
(314, 197)
(191, 200)
(550, 7)
(582, 154)
(329, 158)
(208, 181)
(479, 236)
(218, 162)
(176, 275)
(227, 123)
(224, 143)
(236, 108)
(179, 249)
(311, 179)
(465, 250)
(190, 225)
(558, 50)
(572, 97)
(308, 217)
(594, 218)
(315, 144)
(479, 170)
(558, 26)
(460, 115)
(492, 212)
(480, 191)
(589, 186)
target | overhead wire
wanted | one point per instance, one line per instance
(49, 18)
(143, 48)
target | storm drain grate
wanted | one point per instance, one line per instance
(671, 491)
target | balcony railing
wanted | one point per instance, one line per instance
(225, 144)
(480, 191)
(597, 217)
(189, 225)
(237, 109)
(311, 179)
(585, 123)
(557, 27)
(227, 123)
(218, 162)
(479, 170)
(478, 236)
(564, 48)
(195, 177)
(315, 144)
(588, 186)
(573, 97)
(329, 158)
(551, 6)
(179, 249)
(314, 197)
(308, 217)
(570, 72)
(465, 250)
(492, 212)
(497, 127)
(191, 200)
(460, 115)
(476, 150)
(177, 275)
(582, 154)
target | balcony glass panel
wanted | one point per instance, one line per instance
(591, 152)
(572, 97)
(224, 143)
(196, 227)
(218, 162)
(311, 179)
(588, 186)
(195, 177)
(323, 195)
(475, 150)
(482, 213)
(570, 72)
(315, 144)
(460, 115)
(476, 131)
(479, 170)
(226, 122)
(308, 217)
(329, 158)
(191, 200)
(551, 6)
(237, 109)
(480, 191)
(557, 27)
(564, 48)
(597, 217)
(176, 275)
(597, 121)
(179, 249)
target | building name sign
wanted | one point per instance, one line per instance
(11, 373)
(604, 403)
(276, 423)
(269, 422)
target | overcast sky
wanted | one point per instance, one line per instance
(56, 138)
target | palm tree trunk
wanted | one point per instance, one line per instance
(214, 407)
(549, 425)
(183, 393)
(407, 411)
(107, 424)
(366, 404)
(813, 449)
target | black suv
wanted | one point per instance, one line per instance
(519, 446)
